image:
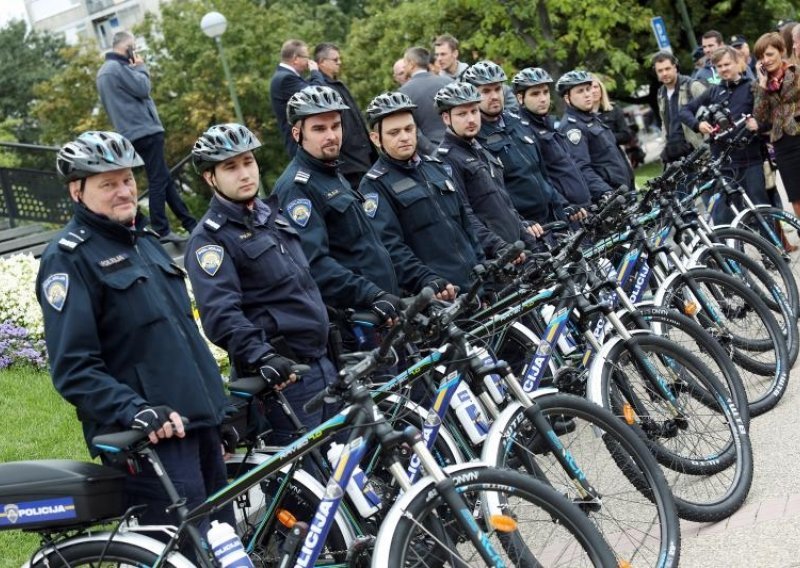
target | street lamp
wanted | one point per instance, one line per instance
(214, 25)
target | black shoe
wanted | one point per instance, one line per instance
(171, 237)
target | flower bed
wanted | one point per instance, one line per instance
(21, 323)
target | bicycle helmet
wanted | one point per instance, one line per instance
(387, 104)
(220, 142)
(530, 77)
(313, 100)
(455, 94)
(572, 79)
(484, 73)
(95, 152)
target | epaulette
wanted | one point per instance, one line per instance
(512, 114)
(571, 119)
(443, 151)
(377, 171)
(302, 176)
(215, 224)
(74, 239)
(428, 158)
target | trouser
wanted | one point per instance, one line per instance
(751, 178)
(162, 188)
(196, 468)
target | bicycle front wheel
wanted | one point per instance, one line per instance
(527, 524)
(94, 551)
(635, 512)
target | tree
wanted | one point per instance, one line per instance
(26, 58)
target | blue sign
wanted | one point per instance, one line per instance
(660, 31)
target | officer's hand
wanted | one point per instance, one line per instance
(535, 230)
(230, 438)
(751, 124)
(276, 370)
(705, 128)
(442, 289)
(501, 252)
(385, 306)
(158, 422)
(575, 213)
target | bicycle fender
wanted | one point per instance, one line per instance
(594, 383)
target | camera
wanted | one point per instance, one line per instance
(716, 114)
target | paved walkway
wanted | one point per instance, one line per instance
(766, 530)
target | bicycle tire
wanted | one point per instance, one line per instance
(761, 250)
(766, 384)
(414, 532)
(707, 461)
(636, 514)
(685, 331)
(87, 552)
(753, 275)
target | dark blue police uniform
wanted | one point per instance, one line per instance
(348, 261)
(595, 151)
(256, 296)
(524, 173)
(421, 219)
(479, 176)
(563, 174)
(121, 336)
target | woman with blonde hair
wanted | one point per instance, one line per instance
(777, 94)
(610, 115)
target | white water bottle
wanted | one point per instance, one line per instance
(469, 413)
(227, 547)
(493, 383)
(360, 490)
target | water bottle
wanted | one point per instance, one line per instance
(493, 383)
(360, 490)
(469, 414)
(227, 547)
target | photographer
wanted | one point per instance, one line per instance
(714, 110)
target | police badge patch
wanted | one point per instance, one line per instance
(574, 135)
(370, 204)
(55, 288)
(299, 211)
(209, 257)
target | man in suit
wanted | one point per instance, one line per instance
(421, 87)
(286, 81)
(357, 152)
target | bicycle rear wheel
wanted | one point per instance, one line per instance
(96, 551)
(528, 524)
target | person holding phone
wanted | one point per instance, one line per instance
(123, 83)
(777, 94)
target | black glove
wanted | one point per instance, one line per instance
(385, 305)
(230, 437)
(275, 369)
(437, 285)
(151, 418)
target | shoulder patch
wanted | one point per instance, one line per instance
(55, 288)
(209, 257)
(302, 176)
(299, 211)
(370, 204)
(574, 135)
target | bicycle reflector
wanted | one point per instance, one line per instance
(628, 414)
(286, 518)
(503, 523)
(690, 307)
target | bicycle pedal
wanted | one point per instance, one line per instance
(359, 555)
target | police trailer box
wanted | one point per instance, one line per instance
(58, 493)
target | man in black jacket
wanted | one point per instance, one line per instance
(357, 153)
(287, 80)
(734, 93)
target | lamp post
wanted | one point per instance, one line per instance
(214, 25)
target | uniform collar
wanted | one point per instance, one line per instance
(411, 164)
(538, 120)
(304, 158)
(584, 116)
(111, 229)
(456, 140)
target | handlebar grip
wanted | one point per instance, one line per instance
(420, 302)
(316, 402)
(611, 206)
(513, 252)
(300, 370)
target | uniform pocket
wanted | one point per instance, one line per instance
(130, 293)
(270, 263)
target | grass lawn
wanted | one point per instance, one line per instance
(37, 424)
(647, 171)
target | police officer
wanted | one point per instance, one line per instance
(415, 205)
(532, 89)
(123, 346)
(348, 261)
(479, 174)
(251, 282)
(592, 144)
(505, 138)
